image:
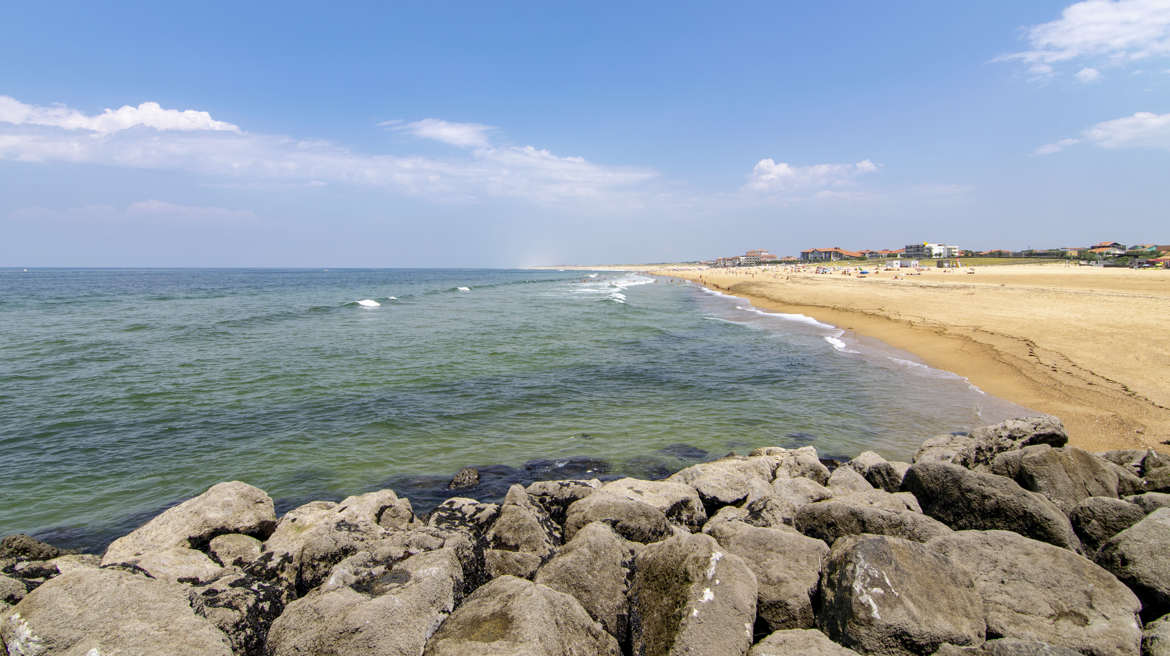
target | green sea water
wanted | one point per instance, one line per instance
(126, 391)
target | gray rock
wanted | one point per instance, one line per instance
(595, 567)
(501, 562)
(177, 565)
(22, 547)
(948, 448)
(109, 611)
(1158, 479)
(466, 477)
(690, 598)
(1066, 475)
(890, 501)
(556, 496)
(964, 499)
(835, 518)
(1007, 647)
(787, 567)
(884, 595)
(36, 572)
(846, 479)
(462, 514)
(370, 606)
(1140, 557)
(796, 463)
(1035, 591)
(1136, 461)
(979, 448)
(807, 642)
(240, 606)
(1150, 501)
(726, 482)
(514, 617)
(1097, 519)
(233, 507)
(678, 501)
(235, 549)
(778, 509)
(521, 527)
(878, 471)
(11, 590)
(1156, 637)
(633, 520)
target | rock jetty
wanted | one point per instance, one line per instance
(1001, 542)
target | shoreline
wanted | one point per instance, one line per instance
(1101, 411)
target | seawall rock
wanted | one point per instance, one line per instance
(634, 520)
(1140, 557)
(595, 567)
(835, 518)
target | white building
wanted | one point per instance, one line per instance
(928, 250)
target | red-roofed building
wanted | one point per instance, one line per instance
(828, 254)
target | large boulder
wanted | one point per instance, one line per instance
(964, 499)
(1136, 461)
(517, 617)
(634, 520)
(978, 449)
(19, 546)
(787, 566)
(1096, 519)
(177, 565)
(1150, 501)
(1035, 591)
(233, 507)
(11, 590)
(1140, 557)
(795, 463)
(885, 595)
(1156, 637)
(806, 642)
(371, 606)
(521, 538)
(846, 480)
(556, 496)
(241, 606)
(879, 472)
(91, 611)
(462, 514)
(1007, 647)
(595, 568)
(234, 549)
(728, 481)
(1066, 475)
(778, 508)
(691, 598)
(835, 518)
(678, 501)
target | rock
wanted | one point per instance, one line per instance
(807, 642)
(832, 519)
(796, 463)
(22, 547)
(178, 565)
(384, 508)
(501, 562)
(108, 611)
(240, 606)
(726, 482)
(1158, 479)
(1035, 591)
(11, 590)
(36, 572)
(521, 527)
(877, 471)
(1156, 637)
(948, 448)
(978, 449)
(1007, 647)
(689, 597)
(1067, 476)
(1097, 519)
(556, 496)
(467, 477)
(846, 479)
(778, 508)
(1150, 501)
(787, 567)
(678, 501)
(1140, 557)
(1136, 461)
(517, 617)
(462, 514)
(885, 595)
(594, 568)
(370, 606)
(234, 549)
(964, 499)
(880, 498)
(633, 520)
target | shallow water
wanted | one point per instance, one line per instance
(126, 391)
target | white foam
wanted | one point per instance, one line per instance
(463, 289)
(593, 275)
(799, 318)
(392, 298)
(369, 302)
(836, 343)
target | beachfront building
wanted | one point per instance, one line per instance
(1107, 251)
(929, 250)
(1116, 245)
(882, 254)
(828, 254)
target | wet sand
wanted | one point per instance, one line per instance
(1089, 345)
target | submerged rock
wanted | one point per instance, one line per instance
(466, 477)
(23, 547)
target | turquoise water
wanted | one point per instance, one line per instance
(125, 391)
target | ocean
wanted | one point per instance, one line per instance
(126, 391)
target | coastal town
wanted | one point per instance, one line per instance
(1106, 253)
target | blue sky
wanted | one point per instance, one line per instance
(469, 134)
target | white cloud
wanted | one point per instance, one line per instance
(1114, 31)
(464, 135)
(1088, 75)
(1048, 149)
(137, 213)
(1142, 130)
(519, 172)
(148, 114)
(163, 209)
(769, 176)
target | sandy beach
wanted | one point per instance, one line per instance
(1086, 344)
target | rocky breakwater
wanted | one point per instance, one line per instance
(1004, 541)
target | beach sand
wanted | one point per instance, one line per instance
(1089, 345)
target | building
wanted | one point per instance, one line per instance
(1108, 244)
(929, 250)
(1107, 251)
(828, 254)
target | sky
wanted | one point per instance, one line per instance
(513, 134)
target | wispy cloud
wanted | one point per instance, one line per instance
(1111, 31)
(1142, 130)
(230, 153)
(140, 212)
(147, 114)
(463, 135)
(772, 177)
(1088, 75)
